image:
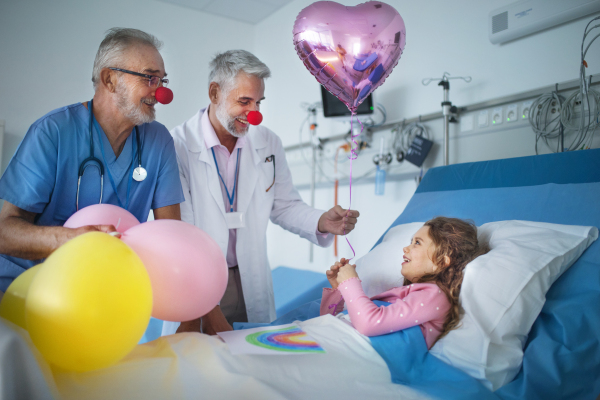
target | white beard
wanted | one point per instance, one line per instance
(136, 113)
(228, 122)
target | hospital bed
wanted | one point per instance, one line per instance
(561, 354)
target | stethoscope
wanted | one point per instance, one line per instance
(139, 173)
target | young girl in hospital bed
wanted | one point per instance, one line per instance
(432, 267)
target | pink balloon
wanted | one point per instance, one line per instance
(103, 214)
(187, 269)
(350, 50)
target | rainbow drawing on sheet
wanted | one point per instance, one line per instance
(290, 339)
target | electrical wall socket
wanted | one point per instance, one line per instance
(525, 107)
(512, 113)
(497, 116)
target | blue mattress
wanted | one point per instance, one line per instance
(562, 353)
(306, 286)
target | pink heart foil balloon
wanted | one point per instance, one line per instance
(350, 50)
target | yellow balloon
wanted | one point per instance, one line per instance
(90, 304)
(12, 306)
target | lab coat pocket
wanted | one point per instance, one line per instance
(266, 183)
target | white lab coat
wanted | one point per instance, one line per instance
(204, 206)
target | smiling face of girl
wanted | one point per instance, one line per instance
(417, 256)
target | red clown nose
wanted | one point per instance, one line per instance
(254, 117)
(164, 95)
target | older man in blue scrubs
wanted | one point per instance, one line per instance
(40, 186)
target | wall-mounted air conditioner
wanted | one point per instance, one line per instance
(528, 16)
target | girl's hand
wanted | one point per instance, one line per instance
(345, 272)
(333, 272)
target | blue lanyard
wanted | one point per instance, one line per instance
(112, 182)
(230, 198)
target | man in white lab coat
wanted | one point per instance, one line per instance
(235, 178)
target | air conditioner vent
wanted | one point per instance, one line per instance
(525, 17)
(500, 22)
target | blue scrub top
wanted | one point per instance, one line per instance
(42, 175)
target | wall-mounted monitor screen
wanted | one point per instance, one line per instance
(333, 107)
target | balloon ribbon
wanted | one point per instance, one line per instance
(353, 156)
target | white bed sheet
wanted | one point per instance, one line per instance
(192, 366)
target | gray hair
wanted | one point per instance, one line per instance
(225, 67)
(115, 44)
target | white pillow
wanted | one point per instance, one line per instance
(503, 293)
(379, 269)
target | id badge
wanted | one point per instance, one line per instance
(235, 220)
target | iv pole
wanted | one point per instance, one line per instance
(448, 110)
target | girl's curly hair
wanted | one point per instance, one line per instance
(455, 239)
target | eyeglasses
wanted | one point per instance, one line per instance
(153, 81)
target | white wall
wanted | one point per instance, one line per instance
(47, 50)
(441, 36)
